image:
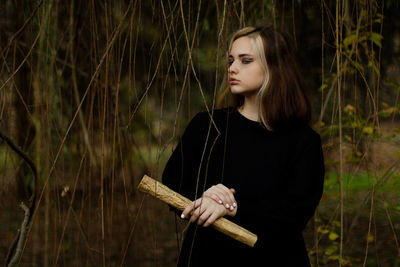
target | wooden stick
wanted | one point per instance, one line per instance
(162, 192)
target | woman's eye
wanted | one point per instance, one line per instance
(230, 62)
(247, 60)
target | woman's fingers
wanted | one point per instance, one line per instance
(227, 192)
(208, 208)
(203, 217)
(213, 196)
(213, 212)
(201, 210)
(224, 198)
(214, 193)
(222, 195)
(211, 219)
(195, 209)
(189, 208)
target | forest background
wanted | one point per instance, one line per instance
(95, 94)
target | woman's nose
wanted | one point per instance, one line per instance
(232, 68)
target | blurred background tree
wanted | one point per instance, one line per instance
(98, 92)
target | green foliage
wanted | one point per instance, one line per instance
(361, 182)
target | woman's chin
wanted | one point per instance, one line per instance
(237, 91)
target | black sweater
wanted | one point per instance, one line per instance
(278, 178)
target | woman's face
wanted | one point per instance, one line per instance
(246, 74)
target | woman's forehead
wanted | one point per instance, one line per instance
(242, 46)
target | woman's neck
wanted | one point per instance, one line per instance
(250, 108)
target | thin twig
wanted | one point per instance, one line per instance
(32, 199)
(22, 236)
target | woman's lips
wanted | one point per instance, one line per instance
(233, 81)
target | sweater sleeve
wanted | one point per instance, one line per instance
(305, 185)
(303, 191)
(180, 172)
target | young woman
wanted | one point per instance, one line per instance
(258, 162)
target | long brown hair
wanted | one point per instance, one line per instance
(282, 101)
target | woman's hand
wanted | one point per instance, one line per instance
(223, 195)
(205, 211)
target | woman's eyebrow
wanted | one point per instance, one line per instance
(243, 55)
